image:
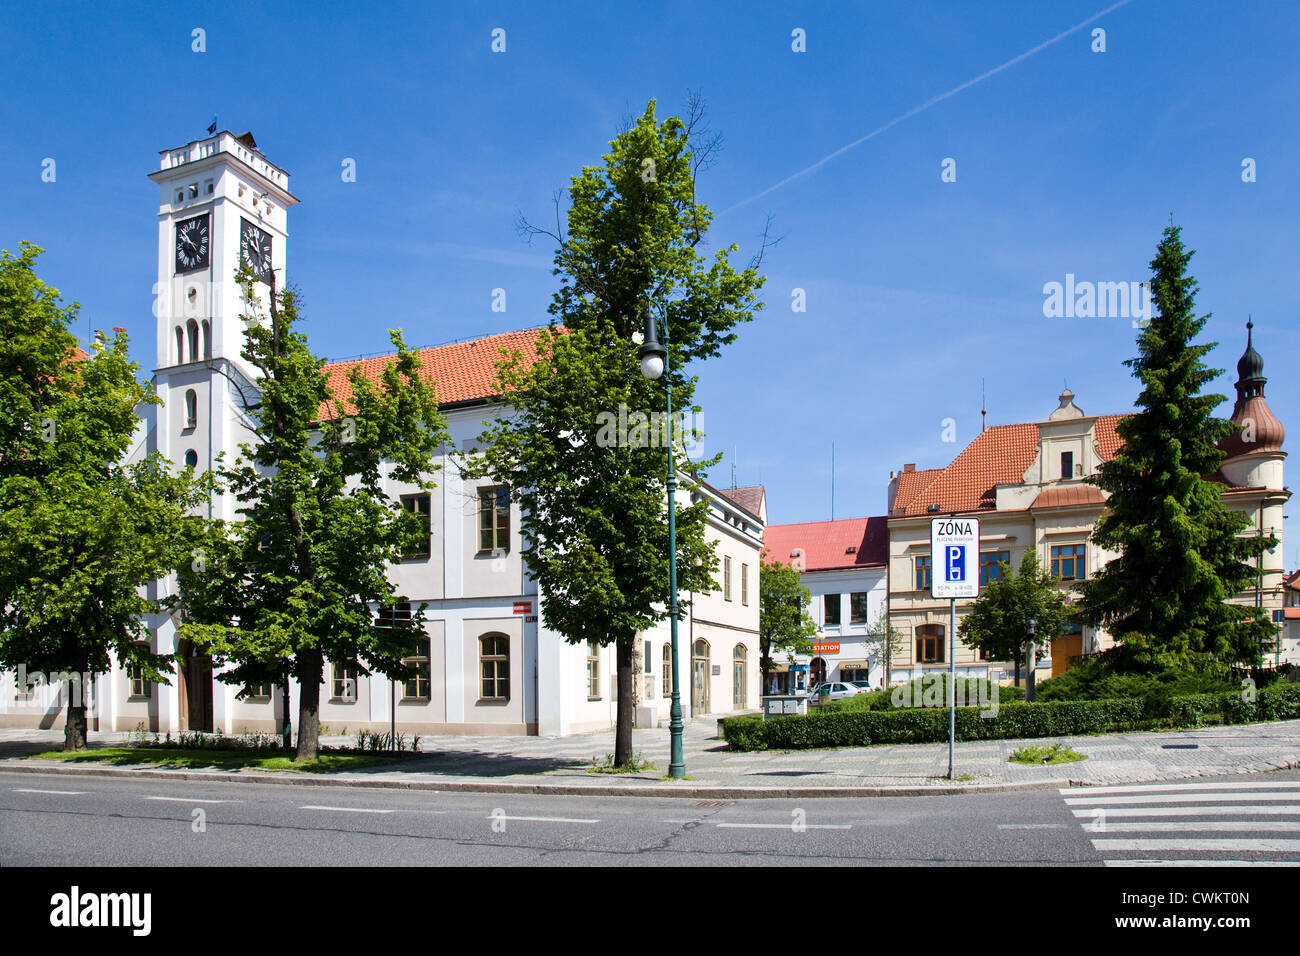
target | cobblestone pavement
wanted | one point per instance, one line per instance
(566, 761)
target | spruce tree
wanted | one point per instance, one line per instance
(1180, 553)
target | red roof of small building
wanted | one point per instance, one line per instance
(750, 498)
(1292, 581)
(826, 544)
(461, 371)
(1001, 454)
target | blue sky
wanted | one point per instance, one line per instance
(1068, 161)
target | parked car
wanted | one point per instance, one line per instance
(864, 684)
(838, 691)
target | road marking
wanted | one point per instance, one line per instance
(1201, 862)
(1209, 826)
(785, 826)
(541, 819)
(1147, 787)
(1033, 826)
(190, 800)
(346, 809)
(1252, 846)
(1191, 811)
(65, 793)
(1177, 798)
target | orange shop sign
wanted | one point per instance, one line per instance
(831, 647)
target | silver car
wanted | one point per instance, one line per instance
(838, 691)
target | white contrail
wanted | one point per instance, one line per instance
(930, 102)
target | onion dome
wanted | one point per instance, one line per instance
(1261, 430)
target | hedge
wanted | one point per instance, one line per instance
(1013, 720)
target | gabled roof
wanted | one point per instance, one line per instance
(461, 371)
(826, 544)
(750, 498)
(1292, 581)
(1001, 454)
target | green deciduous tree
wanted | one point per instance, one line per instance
(82, 534)
(593, 504)
(292, 585)
(887, 640)
(1180, 557)
(998, 620)
(785, 625)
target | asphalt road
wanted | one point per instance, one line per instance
(67, 820)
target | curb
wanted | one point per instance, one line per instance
(651, 790)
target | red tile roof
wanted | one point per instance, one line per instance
(826, 544)
(1076, 495)
(750, 498)
(1001, 454)
(1292, 581)
(461, 371)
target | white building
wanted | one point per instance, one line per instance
(487, 664)
(843, 564)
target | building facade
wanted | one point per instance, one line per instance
(487, 663)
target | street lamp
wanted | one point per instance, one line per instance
(1030, 661)
(654, 362)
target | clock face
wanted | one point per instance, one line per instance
(255, 249)
(192, 245)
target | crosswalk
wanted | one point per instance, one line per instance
(1231, 822)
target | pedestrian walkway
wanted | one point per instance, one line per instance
(1219, 823)
(564, 763)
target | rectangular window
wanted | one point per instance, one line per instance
(494, 667)
(744, 584)
(726, 578)
(1067, 464)
(989, 565)
(419, 505)
(593, 671)
(922, 572)
(929, 644)
(417, 687)
(493, 519)
(1068, 562)
(858, 607)
(343, 681)
(831, 610)
(140, 687)
(258, 691)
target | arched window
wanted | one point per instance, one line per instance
(668, 670)
(494, 666)
(701, 674)
(739, 658)
(191, 408)
(180, 346)
(929, 644)
(193, 328)
(207, 340)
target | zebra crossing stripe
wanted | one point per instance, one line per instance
(1226, 845)
(1152, 787)
(1211, 811)
(1205, 826)
(1176, 798)
(1201, 862)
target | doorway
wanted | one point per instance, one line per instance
(195, 670)
(700, 678)
(817, 672)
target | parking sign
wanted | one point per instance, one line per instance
(954, 550)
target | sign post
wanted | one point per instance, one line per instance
(954, 570)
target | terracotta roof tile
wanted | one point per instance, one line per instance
(750, 498)
(825, 544)
(1076, 495)
(461, 372)
(1001, 454)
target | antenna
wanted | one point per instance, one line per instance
(733, 466)
(984, 408)
(832, 481)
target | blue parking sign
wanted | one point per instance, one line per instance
(955, 566)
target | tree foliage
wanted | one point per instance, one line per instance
(82, 532)
(594, 510)
(998, 620)
(1180, 556)
(293, 584)
(785, 625)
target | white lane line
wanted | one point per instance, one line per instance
(1178, 798)
(785, 826)
(1207, 826)
(190, 800)
(1033, 826)
(1235, 845)
(346, 809)
(542, 819)
(1201, 862)
(679, 822)
(1149, 787)
(1235, 811)
(64, 793)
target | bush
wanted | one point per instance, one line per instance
(934, 687)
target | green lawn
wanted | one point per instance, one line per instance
(225, 759)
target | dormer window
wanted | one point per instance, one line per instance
(180, 195)
(194, 190)
(1067, 464)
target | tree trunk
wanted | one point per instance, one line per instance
(74, 725)
(623, 726)
(764, 665)
(1017, 671)
(310, 665)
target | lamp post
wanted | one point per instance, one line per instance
(1030, 660)
(654, 362)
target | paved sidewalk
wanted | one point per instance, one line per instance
(560, 764)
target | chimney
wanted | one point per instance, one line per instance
(908, 469)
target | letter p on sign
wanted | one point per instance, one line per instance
(956, 563)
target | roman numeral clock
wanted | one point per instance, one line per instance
(192, 244)
(255, 250)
